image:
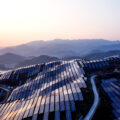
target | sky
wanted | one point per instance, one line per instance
(22, 21)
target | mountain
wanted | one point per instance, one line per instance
(101, 55)
(10, 59)
(37, 60)
(62, 48)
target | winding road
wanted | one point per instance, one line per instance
(96, 100)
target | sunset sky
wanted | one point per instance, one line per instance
(22, 21)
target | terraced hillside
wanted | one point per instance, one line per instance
(55, 90)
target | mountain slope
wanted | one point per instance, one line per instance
(37, 60)
(101, 55)
(10, 58)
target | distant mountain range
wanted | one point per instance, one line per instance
(37, 52)
(20, 61)
(62, 48)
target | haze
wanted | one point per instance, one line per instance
(28, 20)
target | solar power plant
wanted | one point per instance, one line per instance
(52, 91)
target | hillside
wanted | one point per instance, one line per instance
(101, 55)
(10, 58)
(37, 60)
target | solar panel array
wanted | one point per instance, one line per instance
(97, 65)
(19, 76)
(53, 91)
(112, 88)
